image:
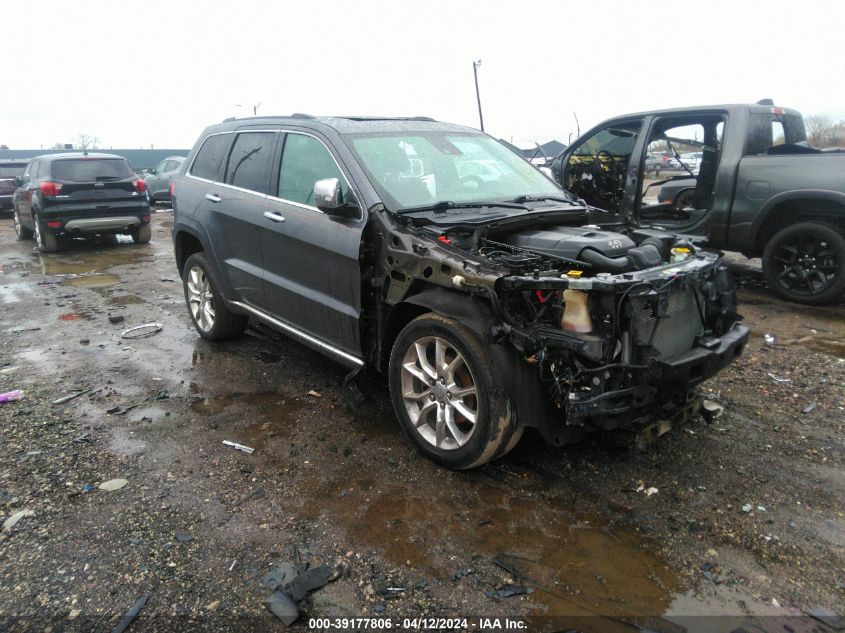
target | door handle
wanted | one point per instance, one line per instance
(212, 197)
(270, 215)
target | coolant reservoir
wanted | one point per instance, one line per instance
(576, 316)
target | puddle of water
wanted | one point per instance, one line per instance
(17, 267)
(270, 414)
(10, 292)
(86, 262)
(96, 280)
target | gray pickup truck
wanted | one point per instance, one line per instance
(755, 187)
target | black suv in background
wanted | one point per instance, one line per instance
(78, 194)
(10, 171)
(490, 302)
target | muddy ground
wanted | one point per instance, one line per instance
(735, 523)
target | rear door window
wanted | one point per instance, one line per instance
(305, 161)
(91, 169)
(211, 156)
(249, 162)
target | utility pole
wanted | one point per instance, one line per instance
(475, 66)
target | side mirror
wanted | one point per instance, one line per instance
(18, 182)
(328, 198)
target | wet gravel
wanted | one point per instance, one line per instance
(742, 516)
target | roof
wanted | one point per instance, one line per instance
(68, 155)
(347, 124)
(138, 158)
(727, 107)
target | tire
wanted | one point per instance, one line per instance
(21, 231)
(425, 394)
(209, 313)
(805, 263)
(47, 242)
(142, 233)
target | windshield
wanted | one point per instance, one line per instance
(91, 169)
(11, 171)
(422, 168)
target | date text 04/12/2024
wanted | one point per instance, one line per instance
(417, 624)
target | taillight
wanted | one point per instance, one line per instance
(172, 188)
(140, 185)
(50, 188)
(54, 224)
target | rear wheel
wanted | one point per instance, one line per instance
(806, 263)
(21, 231)
(212, 319)
(142, 233)
(47, 242)
(446, 394)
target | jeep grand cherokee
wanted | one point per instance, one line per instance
(489, 302)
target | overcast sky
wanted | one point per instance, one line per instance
(155, 73)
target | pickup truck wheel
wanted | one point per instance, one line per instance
(46, 241)
(805, 263)
(446, 396)
(142, 233)
(212, 319)
(21, 231)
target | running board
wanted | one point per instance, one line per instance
(311, 341)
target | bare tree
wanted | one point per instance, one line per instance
(87, 141)
(58, 146)
(819, 127)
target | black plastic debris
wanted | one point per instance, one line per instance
(461, 573)
(130, 616)
(300, 582)
(308, 581)
(116, 318)
(280, 605)
(507, 591)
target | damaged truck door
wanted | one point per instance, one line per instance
(434, 254)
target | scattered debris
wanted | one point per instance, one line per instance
(12, 521)
(647, 491)
(184, 538)
(113, 484)
(507, 591)
(778, 379)
(809, 408)
(73, 396)
(462, 573)
(711, 410)
(283, 602)
(142, 331)
(313, 394)
(116, 318)
(213, 606)
(130, 616)
(239, 447)
(747, 508)
(769, 338)
(11, 396)
(234, 562)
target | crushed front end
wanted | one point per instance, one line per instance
(618, 327)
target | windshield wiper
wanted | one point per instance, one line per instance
(445, 205)
(523, 199)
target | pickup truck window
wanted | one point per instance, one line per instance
(770, 130)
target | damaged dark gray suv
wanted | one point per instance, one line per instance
(433, 253)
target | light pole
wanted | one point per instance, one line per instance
(475, 66)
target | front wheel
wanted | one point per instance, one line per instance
(212, 319)
(47, 242)
(21, 231)
(805, 263)
(446, 394)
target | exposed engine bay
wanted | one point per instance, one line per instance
(615, 322)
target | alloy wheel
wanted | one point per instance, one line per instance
(805, 265)
(439, 393)
(200, 298)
